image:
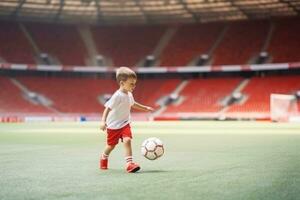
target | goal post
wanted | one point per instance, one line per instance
(282, 107)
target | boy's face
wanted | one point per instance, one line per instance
(128, 85)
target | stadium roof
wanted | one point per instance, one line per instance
(146, 11)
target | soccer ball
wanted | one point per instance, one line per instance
(152, 148)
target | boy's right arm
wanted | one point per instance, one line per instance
(104, 117)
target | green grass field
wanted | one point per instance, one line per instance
(203, 160)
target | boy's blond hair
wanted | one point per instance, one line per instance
(124, 73)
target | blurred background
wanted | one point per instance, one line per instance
(195, 59)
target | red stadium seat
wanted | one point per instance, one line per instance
(126, 46)
(15, 47)
(204, 95)
(242, 41)
(285, 43)
(156, 89)
(189, 42)
(12, 100)
(258, 92)
(72, 95)
(61, 41)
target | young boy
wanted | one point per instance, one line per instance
(116, 118)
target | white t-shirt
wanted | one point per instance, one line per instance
(120, 104)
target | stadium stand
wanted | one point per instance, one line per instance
(204, 95)
(71, 95)
(259, 89)
(126, 46)
(285, 43)
(155, 90)
(80, 95)
(60, 41)
(242, 41)
(189, 42)
(14, 46)
(13, 101)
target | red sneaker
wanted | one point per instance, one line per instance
(103, 163)
(132, 167)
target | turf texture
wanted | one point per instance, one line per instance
(203, 160)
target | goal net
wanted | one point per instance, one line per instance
(282, 107)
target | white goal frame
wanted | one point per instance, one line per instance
(283, 107)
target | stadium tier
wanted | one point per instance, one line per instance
(15, 48)
(259, 89)
(189, 42)
(62, 42)
(241, 43)
(71, 95)
(82, 95)
(204, 95)
(285, 42)
(224, 43)
(159, 88)
(197, 96)
(127, 46)
(13, 100)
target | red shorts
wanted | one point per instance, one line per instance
(113, 135)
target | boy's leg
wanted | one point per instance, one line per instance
(127, 145)
(126, 136)
(131, 167)
(111, 141)
(104, 156)
(108, 149)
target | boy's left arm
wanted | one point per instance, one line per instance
(141, 107)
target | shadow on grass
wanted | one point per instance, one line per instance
(152, 171)
(121, 171)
